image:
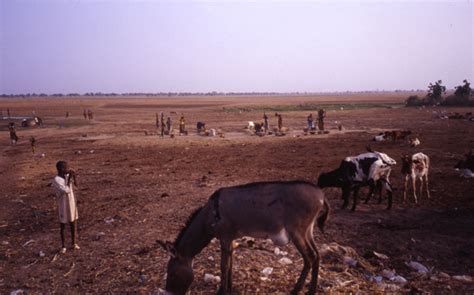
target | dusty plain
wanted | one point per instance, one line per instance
(136, 188)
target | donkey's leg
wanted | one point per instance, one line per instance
(226, 257)
(379, 187)
(304, 248)
(413, 182)
(314, 265)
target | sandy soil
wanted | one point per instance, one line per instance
(135, 189)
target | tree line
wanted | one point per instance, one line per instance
(435, 96)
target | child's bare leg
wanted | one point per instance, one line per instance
(63, 226)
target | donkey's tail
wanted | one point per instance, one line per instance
(322, 218)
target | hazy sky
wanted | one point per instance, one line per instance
(150, 46)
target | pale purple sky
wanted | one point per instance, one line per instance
(151, 46)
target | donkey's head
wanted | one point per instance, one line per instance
(179, 275)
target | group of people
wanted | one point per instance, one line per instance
(321, 116)
(166, 127)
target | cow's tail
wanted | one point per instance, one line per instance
(323, 217)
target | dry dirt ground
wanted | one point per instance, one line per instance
(135, 189)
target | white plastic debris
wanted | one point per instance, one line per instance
(43, 155)
(417, 266)
(109, 220)
(285, 260)
(399, 280)
(267, 271)
(377, 279)
(41, 254)
(211, 279)
(17, 292)
(380, 255)
(349, 261)
(388, 274)
(210, 258)
(91, 151)
(277, 251)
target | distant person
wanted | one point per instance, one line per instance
(310, 122)
(321, 116)
(182, 124)
(280, 121)
(265, 122)
(90, 114)
(8, 113)
(67, 208)
(168, 125)
(33, 144)
(13, 136)
(162, 120)
(85, 114)
(67, 115)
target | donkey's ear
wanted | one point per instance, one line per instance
(168, 246)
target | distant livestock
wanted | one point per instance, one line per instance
(369, 169)
(415, 167)
(392, 135)
(414, 142)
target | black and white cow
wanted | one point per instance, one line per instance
(369, 169)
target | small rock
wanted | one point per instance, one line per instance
(277, 251)
(285, 260)
(109, 220)
(41, 254)
(267, 271)
(209, 278)
(417, 266)
(43, 155)
(91, 151)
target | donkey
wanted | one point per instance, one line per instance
(280, 211)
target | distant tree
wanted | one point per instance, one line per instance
(413, 101)
(463, 90)
(435, 92)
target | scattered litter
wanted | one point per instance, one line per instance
(210, 258)
(17, 292)
(277, 251)
(70, 270)
(5, 243)
(388, 274)
(211, 279)
(285, 260)
(27, 243)
(464, 278)
(380, 255)
(398, 280)
(43, 155)
(267, 271)
(33, 263)
(55, 257)
(136, 169)
(91, 151)
(109, 220)
(349, 261)
(377, 279)
(417, 266)
(444, 275)
(41, 254)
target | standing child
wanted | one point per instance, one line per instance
(62, 185)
